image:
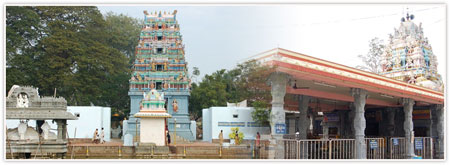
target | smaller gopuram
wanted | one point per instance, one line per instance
(24, 103)
(153, 118)
(408, 57)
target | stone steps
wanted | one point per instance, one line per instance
(180, 140)
(180, 151)
(199, 151)
(214, 152)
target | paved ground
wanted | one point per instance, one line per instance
(88, 142)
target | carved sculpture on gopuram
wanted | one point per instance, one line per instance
(409, 57)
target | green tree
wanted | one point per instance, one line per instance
(261, 113)
(76, 57)
(123, 33)
(252, 81)
(23, 31)
(73, 49)
(246, 81)
(210, 92)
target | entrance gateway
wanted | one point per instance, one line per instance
(161, 65)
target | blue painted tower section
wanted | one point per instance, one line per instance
(183, 123)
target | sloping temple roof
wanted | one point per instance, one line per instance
(318, 74)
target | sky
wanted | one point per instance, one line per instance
(220, 36)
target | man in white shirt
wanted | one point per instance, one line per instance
(102, 136)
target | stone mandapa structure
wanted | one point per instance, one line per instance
(405, 102)
(24, 103)
(357, 104)
(161, 65)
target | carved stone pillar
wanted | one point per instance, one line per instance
(440, 131)
(278, 83)
(303, 123)
(391, 122)
(408, 127)
(64, 130)
(60, 129)
(359, 123)
(341, 129)
(351, 115)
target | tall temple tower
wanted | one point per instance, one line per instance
(160, 64)
(408, 57)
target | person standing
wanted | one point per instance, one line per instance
(102, 136)
(94, 139)
(168, 137)
(221, 137)
(257, 144)
(236, 138)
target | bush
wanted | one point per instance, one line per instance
(233, 134)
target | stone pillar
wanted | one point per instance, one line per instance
(408, 127)
(64, 129)
(440, 130)
(60, 129)
(278, 83)
(342, 125)
(39, 125)
(433, 124)
(303, 123)
(359, 123)
(399, 118)
(390, 121)
(324, 129)
(292, 126)
(351, 116)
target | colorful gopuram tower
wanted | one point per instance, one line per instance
(160, 64)
(409, 57)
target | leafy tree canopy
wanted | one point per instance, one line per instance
(245, 81)
(261, 114)
(372, 58)
(76, 50)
